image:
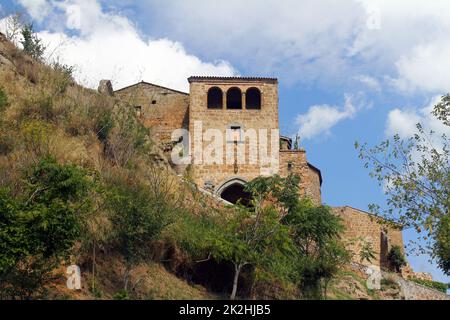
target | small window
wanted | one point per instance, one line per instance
(290, 166)
(215, 98)
(234, 134)
(138, 110)
(234, 98)
(153, 101)
(253, 99)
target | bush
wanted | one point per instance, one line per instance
(316, 234)
(3, 100)
(432, 284)
(32, 45)
(36, 138)
(139, 212)
(39, 227)
(127, 138)
(396, 258)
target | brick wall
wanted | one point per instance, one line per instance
(362, 226)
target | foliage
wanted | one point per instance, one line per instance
(248, 239)
(39, 227)
(121, 295)
(31, 43)
(127, 138)
(139, 212)
(103, 125)
(36, 137)
(366, 253)
(442, 245)
(396, 258)
(415, 174)
(297, 142)
(3, 100)
(63, 76)
(432, 284)
(315, 231)
(442, 110)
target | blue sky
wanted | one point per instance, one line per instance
(348, 70)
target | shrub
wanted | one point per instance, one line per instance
(396, 258)
(36, 138)
(316, 234)
(3, 100)
(138, 215)
(39, 106)
(432, 284)
(39, 227)
(32, 45)
(104, 124)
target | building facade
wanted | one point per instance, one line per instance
(232, 136)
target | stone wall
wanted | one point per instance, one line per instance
(222, 119)
(161, 109)
(360, 227)
(413, 291)
(294, 161)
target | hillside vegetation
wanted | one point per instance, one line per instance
(83, 182)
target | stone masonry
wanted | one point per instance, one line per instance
(362, 227)
(164, 110)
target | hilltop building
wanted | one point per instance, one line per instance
(231, 106)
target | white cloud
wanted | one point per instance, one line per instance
(403, 122)
(37, 9)
(369, 82)
(403, 41)
(426, 68)
(403, 44)
(104, 45)
(321, 118)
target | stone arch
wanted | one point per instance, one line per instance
(215, 98)
(234, 98)
(253, 98)
(233, 191)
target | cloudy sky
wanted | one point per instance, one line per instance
(348, 70)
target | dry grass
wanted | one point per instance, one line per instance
(149, 281)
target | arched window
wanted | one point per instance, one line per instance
(215, 98)
(253, 98)
(234, 98)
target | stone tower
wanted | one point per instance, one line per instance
(243, 114)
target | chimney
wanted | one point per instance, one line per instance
(105, 87)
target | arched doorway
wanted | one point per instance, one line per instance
(234, 191)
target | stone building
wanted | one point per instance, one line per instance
(234, 110)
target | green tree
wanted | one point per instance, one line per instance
(396, 258)
(139, 212)
(247, 238)
(316, 231)
(415, 173)
(254, 235)
(31, 43)
(39, 227)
